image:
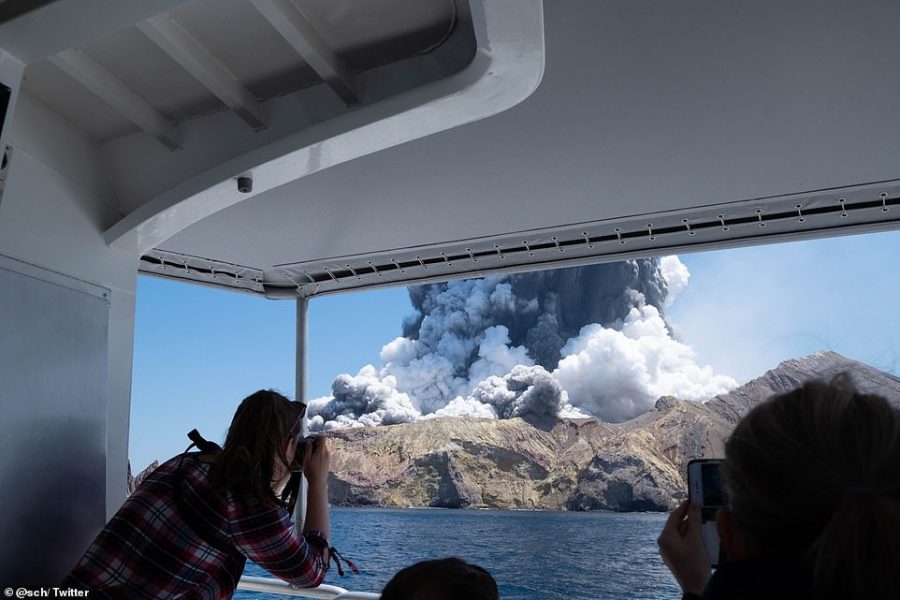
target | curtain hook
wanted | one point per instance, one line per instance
(353, 272)
(844, 212)
(374, 268)
(587, 240)
(687, 225)
(650, 235)
(556, 243)
(759, 216)
(722, 221)
(396, 264)
(312, 281)
(528, 248)
(800, 217)
(330, 274)
(619, 235)
(499, 253)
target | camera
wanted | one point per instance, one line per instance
(297, 463)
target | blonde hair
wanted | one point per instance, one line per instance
(813, 477)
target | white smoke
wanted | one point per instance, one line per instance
(465, 407)
(615, 374)
(676, 275)
(457, 358)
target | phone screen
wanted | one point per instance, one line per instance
(706, 486)
(713, 491)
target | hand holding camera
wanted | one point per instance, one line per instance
(315, 457)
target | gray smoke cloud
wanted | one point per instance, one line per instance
(584, 341)
(541, 310)
(526, 391)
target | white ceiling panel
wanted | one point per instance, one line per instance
(140, 64)
(74, 102)
(241, 39)
(645, 108)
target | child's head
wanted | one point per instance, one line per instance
(443, 579)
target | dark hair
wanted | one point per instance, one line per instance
(442, 579)
(261, 425)
(813, 477)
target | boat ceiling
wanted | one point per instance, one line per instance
(657, 127)
(365, 34)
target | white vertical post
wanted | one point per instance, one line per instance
(300, 394)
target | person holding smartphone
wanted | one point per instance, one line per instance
(813, 503)
(192, 523)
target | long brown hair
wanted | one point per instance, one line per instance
(813, 476)
(262, 424)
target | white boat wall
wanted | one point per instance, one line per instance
(294, 148)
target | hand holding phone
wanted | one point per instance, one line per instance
(705, 487)
(681, 548)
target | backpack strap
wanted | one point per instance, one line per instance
(188, 513)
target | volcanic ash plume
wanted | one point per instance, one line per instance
(585, 341)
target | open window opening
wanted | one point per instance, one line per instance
(565, 404)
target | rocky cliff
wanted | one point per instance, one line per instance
(791, 373)
(565, 465)
(561, 465)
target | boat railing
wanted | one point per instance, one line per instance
(324, 591)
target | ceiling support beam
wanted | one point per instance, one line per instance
(86, 71)
(506, 69)
(44, 28)
(297, 30)
(194, 58)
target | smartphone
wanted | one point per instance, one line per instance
(705, 486)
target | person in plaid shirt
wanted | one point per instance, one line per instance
(187, 531)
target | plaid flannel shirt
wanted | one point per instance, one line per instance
(147, 550)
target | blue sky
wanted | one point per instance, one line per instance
(746, 310)
(199, 351)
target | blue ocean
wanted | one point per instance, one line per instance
(532, 555)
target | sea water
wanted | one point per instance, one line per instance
(532, 555)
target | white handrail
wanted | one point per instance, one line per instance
(324, 591)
